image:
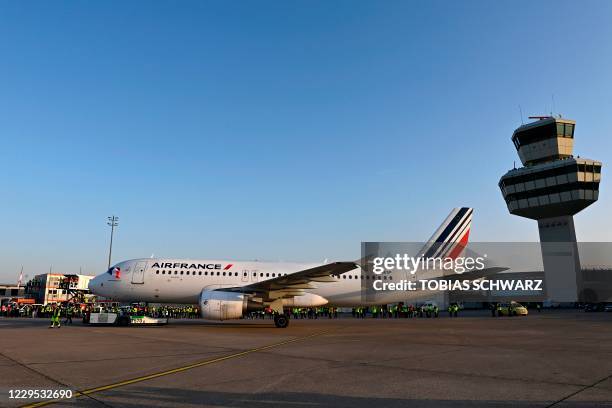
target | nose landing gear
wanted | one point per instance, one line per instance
(281, 321)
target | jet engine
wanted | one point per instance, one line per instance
(220, 305)
(305, 300)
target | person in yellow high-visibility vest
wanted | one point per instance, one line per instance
(55, 316)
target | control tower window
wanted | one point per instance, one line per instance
(565, 129)
(536, 134)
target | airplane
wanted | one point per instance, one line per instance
(229, 289)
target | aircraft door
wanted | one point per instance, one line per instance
(138, 272)
(245, 275)
(254, 275)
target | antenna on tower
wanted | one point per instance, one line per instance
(552, 96)
(521, 113)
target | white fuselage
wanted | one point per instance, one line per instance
(182, 281)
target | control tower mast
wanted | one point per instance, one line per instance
(552, 186)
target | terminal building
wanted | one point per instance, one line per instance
(56, 288)
(11, 292)
(551, 188)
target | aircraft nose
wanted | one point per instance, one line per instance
(95, 284)
(92, 284)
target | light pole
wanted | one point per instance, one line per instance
(112, 222)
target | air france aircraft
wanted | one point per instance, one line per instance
(230, 289)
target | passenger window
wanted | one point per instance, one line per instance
(206, 273)
(187, 272)
(175, 272)
(235, 273)
(343, 276)
(267, 274)
(218, 273)
(181, 272)
(200, 273)
(223, 273)
(157, 272)
(163, 272)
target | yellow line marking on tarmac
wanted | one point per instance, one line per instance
(172, 371)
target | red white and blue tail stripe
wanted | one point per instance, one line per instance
(451, 238)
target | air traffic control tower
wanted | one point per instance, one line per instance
(552, 186)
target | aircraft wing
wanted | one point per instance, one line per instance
(294, 284)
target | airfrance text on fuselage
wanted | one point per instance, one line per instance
(185, 265)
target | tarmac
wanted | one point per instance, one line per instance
(554, 358)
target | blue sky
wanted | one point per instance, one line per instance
(281, 130)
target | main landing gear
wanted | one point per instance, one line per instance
(281, 321)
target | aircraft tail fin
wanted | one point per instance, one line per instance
(451, 238)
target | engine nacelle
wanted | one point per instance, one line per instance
(305, 300)
(218, 305)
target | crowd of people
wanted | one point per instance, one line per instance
(66, 311)
(383, 312)
(45, 311)
(172, 312)
(56, 312)
(77, 310)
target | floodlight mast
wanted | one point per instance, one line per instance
(113, 221)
